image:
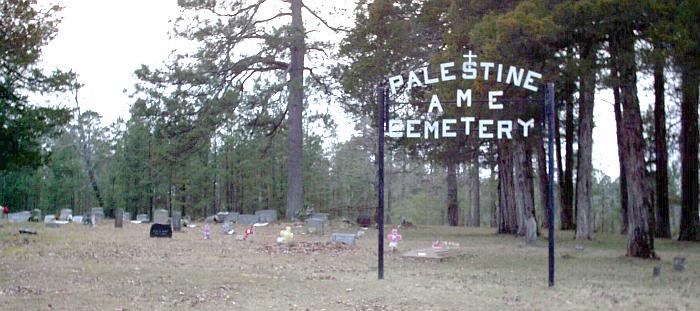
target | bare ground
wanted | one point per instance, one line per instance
(80, 268)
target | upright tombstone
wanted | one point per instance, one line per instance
(161, 231)
(345, 238)
(315, 226)
(19, 216)
(176, 221)
(246, 219)
(98, 213)
(231, 217)
(531, 231)
(142, 217)
(126, 216)
(66, 213)
(36, 215)
(49, 218)
(118, 218)
(323, 216)
(267, 215)
(220, 217)
(160, 216)
(77, 219)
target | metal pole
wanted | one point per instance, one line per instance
(381, 96)
(549, 102)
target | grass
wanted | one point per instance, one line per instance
(81, 268)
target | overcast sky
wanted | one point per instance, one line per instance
(105, 41)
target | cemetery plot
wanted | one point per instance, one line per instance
(111, 268)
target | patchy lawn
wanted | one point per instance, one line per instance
(76, 267)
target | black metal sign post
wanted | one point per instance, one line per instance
(381, 96)
(549, 108)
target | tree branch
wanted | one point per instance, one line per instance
(336, 29)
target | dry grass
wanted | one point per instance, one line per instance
(80, 268)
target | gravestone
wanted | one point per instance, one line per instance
(346, 238)
(315, 226)
(161, 231)
(78, 219)
(531, 231)
(36, 215)
(231, 217)
(99, 214)
(142, 217)
(324, 216)
(267, 215)
(679, 263)
(160, 216)
(49, 218)
(221, 217)
(65, 214)
(19, 216)
(210, 219)
(175, 221)
(247, 219)
(126, 216)
(118, 218)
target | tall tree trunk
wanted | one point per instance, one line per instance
(584, 171)
(663, 229)
(524, 186)
(567, 193)
(690, 224)
(475, 189)
(620, 147)
(641, 240)
(295, 151)
(507, 220)
(452, 202)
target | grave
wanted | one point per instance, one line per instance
(142, 217)
(266, 215)
(315, 226)
(175, 221)
(160, 216)
(432, 253)
(531, 231)
(231, 217)
(118, 218)
(247, 219)
(324, 216)
(49, 218)
(36, 215)
(78, 219)
(65, 214)
(126, 216)
(161, 231)
(99, 214)
(19, 216)
(221, 217)
(346, 238)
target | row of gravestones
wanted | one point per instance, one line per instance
(261, 216)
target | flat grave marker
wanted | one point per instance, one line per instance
(346, 238)
(19, 216)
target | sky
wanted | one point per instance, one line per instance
(105, 41)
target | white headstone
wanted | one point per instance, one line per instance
(531, 231)
(65, 214)
(19, 216)
(49, 218)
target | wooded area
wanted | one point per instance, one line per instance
(228, 127)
